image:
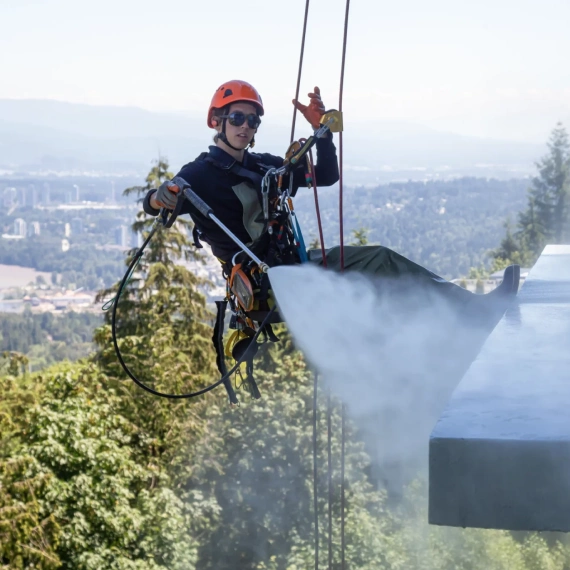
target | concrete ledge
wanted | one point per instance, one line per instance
(500, 453)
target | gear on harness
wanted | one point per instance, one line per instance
(165, 221)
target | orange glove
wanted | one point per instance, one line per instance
(314, 111)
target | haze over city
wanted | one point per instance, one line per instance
(497, 69)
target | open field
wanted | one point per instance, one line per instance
(16, 276)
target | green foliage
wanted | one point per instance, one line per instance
(263, 480)
(83, 265)
(27, 538)
(547, 217)
(444, 548)
(360, 237)
(46, 338)
(13, 363)
(109, 511)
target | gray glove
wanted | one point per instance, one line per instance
(165, 197)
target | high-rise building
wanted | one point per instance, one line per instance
(34, 229)
(22, 197)
(76, 226)
(46, 194)
(32, 196)
(20, 227)
(9, 197)
(122, 236)
(66, 230)
(76, 193)
(113, 191)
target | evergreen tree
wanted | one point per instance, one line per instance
(547, 217)
(550, 189)
(360, 236)
(163, 306)
(531, 234)
(164, 333)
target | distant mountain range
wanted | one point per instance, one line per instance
(51, 135)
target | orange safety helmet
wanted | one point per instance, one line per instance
(232, 92)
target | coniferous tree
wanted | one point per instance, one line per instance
(547, 217)
(548, 195)
(163, 305)
(164, 333)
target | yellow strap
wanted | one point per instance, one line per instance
(234, 338)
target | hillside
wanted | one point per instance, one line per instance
(51, 135)
(446, 226)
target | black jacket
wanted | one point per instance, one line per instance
(234, 193)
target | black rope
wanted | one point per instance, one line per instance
(141, 384)
(315, 468)
(342, 487)
(341, 223)
(340, 141)
(329, 463)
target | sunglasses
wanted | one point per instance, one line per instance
(237, 119)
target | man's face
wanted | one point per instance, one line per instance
(241, 136)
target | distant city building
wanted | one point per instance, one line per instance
(64, 245)
(9, 197)
(76, 192)
(22, 197)
(136, 239)
(32, 196)
(46, 194)
(113, 199)
(34, 229)
(66, 230)
(76, 226)
(20, 227)
(122, 236)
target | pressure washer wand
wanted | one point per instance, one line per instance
(206, 211)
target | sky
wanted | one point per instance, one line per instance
(496, 68)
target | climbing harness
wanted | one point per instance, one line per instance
(166, 221)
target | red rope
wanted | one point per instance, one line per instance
(300, 69)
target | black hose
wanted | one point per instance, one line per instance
(142, 384)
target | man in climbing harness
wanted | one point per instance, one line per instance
(250, 193)
(232, 183)
(229, 177)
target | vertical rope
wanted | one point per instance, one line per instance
(315, 469)
(342, 488)
(319, 222)
(329, 458)
(341, 225)
(340, 182)
(300, 68)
